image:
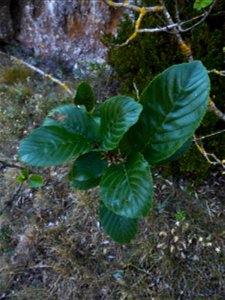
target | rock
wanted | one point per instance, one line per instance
(69, 31)
(6, 24)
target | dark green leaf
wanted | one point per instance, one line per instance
(50, 146)
(118, 114)
(74, 119)
(85, 96)
(35, 181)
(87, 171)
(200, 4)
(121, 229)
(179, 152)
(126, 189)
(173, 107)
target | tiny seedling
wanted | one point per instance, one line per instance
(34, 181)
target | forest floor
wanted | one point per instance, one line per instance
(51, 242)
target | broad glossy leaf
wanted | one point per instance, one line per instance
(85, 96)
(50, 146)
(118, 114)
(74, 119)
(173, 107)
(87, 171)
(200, 4)
(126, 188)
(179, 152)
(35, 181)
(121, 229)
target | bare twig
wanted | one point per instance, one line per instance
(137, 91)
(4, 164)
(212, 107)
(185, 49)
(39, 71)
(220, 73)
(205, 15)
(135, 8)
(167, 28)
(177, 13)
(211, 158)
(208, 135)
(12, 198)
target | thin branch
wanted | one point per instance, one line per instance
(4, 164)
(177, 13)
(208, 135)
(211, 158)
(167, 28)
(221, 73)
(212, 107)
(39, 71)
(135, 8)
(137, 91)
(12, 198)
(185, 49)
(205, 15)
(136, 28)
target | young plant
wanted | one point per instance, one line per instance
(115, 143)
(34, 181)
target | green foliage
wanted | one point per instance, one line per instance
(151, 54)
(32, 180)
(14, 74)
(87, 171)
(180, 215)
(35, 181)
(85, 96)
(114, 145)
(117, 114)
(126, 188)
(121, 229)
(200, 4)
(182, 90)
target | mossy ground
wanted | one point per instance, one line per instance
(52, 246)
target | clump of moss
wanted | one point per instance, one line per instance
(14, 74)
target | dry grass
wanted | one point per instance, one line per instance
(14, 74)
(56, 246)
(52, 246)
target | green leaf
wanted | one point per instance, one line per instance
(173, 107)
(85, 96)
(121, 229)
(20, 179)
(118, 114)
(24, 173)
(74, 119)
(35, 181)
(126, 189)
(87, 171)
(50, 146)
(179, 152)
(200, 4)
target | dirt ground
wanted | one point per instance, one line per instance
(51, 242)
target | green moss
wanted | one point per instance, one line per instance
(14, 74)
